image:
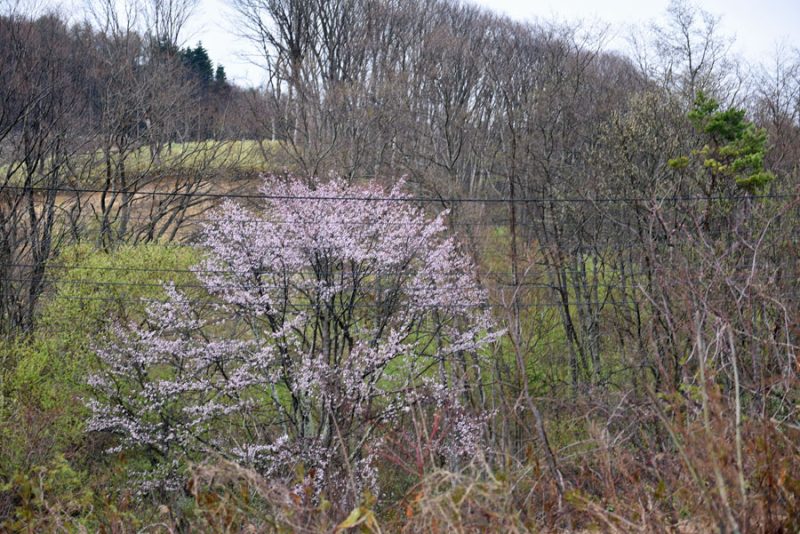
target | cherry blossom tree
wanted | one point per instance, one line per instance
(327, 315)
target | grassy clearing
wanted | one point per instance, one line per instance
(244, 156)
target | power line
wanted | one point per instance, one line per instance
(193, 220)
(366, 286)
(295, 286)
(372, 284)
(133, 299)
(495, 283)
(418, 199)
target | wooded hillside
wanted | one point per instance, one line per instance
(443, 272)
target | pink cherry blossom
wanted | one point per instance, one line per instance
(326, 313)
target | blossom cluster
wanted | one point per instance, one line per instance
(323, 311)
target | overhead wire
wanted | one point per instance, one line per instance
(487, 273)
(417, 199)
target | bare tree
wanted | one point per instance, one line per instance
(40, 116)
(166, 20)
(688, 53)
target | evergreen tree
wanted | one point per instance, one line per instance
(732, 152)
(199, 63)
(219, 76)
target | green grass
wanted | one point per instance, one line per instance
(43, 378)
(246, 156)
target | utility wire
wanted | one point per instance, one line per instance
(452, 200)
(133, 299)
(78, 268)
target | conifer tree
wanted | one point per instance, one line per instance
(732, 155)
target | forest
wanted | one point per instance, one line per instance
(443, 271)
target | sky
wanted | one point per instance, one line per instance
(759, 26)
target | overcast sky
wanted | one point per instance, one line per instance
(758, 25)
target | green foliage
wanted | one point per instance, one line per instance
(41, 415)
(43, 378)
(46, 374)
(723, 126)
(734, 148)
(97, 288)
(197, 61)
(219, 75)
(679, 163)
(51, 497)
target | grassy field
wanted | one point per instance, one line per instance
(242, 156)
(246, 155)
